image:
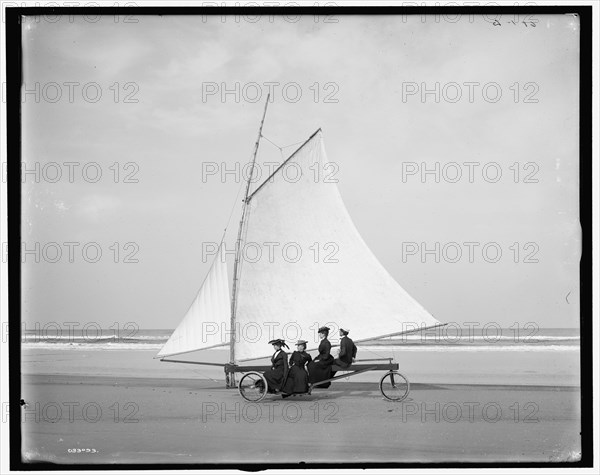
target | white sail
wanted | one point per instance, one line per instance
(335, 279)
(207, 321)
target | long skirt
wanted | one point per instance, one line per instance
(274, 379)
(320, 371)
(296, 381)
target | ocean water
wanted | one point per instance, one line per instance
(450, 338)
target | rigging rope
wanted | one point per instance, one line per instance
(202, 373)
(271, 142)
(376, 352)
(242, 181)
(280, 148)
(292, 144)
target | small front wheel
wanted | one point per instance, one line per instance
(394, 386)
(253, 387)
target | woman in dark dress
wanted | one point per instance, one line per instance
(296, 381)
(320, 368)
(279, 366)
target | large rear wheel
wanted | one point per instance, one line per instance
(394, 386)
(253, 387)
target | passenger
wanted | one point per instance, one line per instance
(296, 381)
(347, 352)
(320, 368)
(279, 366)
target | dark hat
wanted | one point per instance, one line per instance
(346, 331)
(302, 342)
(323, 329)
(279, 342)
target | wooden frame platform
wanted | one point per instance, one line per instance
(357, 367)
(352, 370)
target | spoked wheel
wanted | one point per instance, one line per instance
(394, 386)
(253, 387)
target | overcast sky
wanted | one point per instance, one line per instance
(361, 80)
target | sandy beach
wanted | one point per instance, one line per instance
(125, 407)
(207, 182)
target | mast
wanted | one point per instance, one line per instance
(239, 245)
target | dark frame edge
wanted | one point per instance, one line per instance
(14, 76)
(13, 129)
(586, 220)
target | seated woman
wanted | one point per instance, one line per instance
(320, 368)
(347, 351)
(296, 381)
(279, 366)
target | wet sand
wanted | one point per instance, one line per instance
(124, 407)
